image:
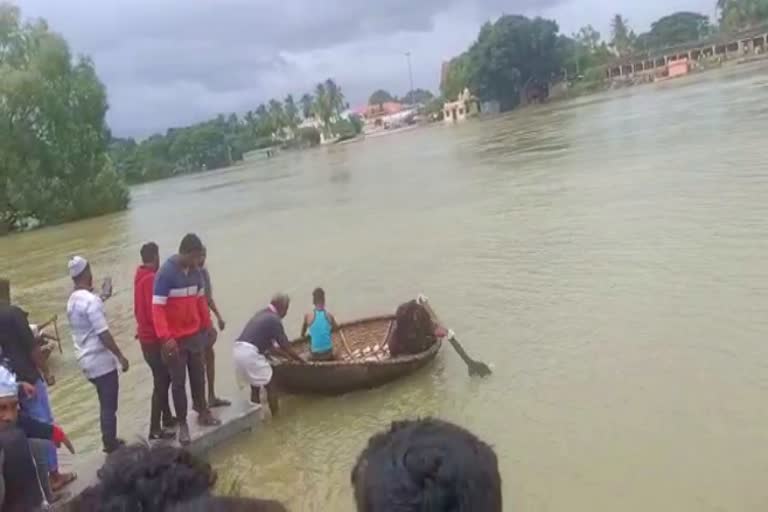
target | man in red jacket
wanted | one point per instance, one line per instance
(151, 345)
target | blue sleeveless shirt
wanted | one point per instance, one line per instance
(320, 333)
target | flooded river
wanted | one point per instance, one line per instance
(606, 255)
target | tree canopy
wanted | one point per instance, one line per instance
(421, 96)
(511, 53)
(53, 136)
(623, 38)
(380, 96)
(742, 14)
(675, 29)
(224, 140)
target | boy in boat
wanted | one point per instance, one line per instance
(414, 330)
(263, 335)
(320, 324)
(427, 465)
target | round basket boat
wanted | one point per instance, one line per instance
(361, 361)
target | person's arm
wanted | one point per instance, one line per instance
(160, 291)
(219, 320)
(202, 305)
(26, 339)
(101, 329)
(282, 340)
(38, 430)
(109, 342)
(335, 327)
(305, 325)
(209, 298)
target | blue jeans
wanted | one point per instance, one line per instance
(107, 387)
(38, 407)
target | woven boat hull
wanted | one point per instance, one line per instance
(362, 361)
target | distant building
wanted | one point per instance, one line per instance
(464, 107)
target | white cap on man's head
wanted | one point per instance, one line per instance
(9, 388)
(77, 266)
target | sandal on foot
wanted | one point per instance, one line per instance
(219, 402)
(208, 420)
(163, 435)
(62, 480)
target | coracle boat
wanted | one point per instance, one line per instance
(362, 361)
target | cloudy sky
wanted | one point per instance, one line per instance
(173, 62)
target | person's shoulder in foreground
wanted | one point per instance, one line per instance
(161, 479)
(427, 465)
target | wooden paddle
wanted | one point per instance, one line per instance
(476, 368)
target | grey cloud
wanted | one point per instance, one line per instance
(169, 62)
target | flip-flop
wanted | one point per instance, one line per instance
(64, 480)
(208, 421)
(219, 402)
(164, 435)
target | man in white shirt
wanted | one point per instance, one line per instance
(97, 353)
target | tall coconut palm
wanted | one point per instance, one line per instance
(323, 108)
(335, 96)
(307, 102)
(276, 117)
(291, 113)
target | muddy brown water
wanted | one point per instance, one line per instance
(607, 255)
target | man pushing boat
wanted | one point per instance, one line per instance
(263, 335)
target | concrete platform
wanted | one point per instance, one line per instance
(240, 417)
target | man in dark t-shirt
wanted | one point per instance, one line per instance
(263, 335)
(24, 357)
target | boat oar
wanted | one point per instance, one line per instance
(478, 368)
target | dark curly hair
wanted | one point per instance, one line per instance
(427, 465)
(140, 478)
(227, 504)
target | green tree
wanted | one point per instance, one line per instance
(510, 54)
(455, 77)
(291, 114)
(675, 29)
(307, 103)
(335, 96)
(622, 36)
(276, 117)
(417, 96)
(589, 38)
(380, 96)
(323, 107)
(54, 165)
(742, 14)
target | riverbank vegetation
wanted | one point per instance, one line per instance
(515, 59)
(53, 136)
(225, 140)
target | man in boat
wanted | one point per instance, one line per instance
(320, 324)
(262, 336)
(210, 355)
(183, 322)
(25, 358)
(414, 331)
(24, 482)
(151, 346)
(98, 355)
(427, 465)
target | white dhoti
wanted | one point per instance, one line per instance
(251, 367)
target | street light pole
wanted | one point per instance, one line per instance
(410, 74)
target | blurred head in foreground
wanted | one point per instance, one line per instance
(227, 504)
(149, 479)
(427, 466)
